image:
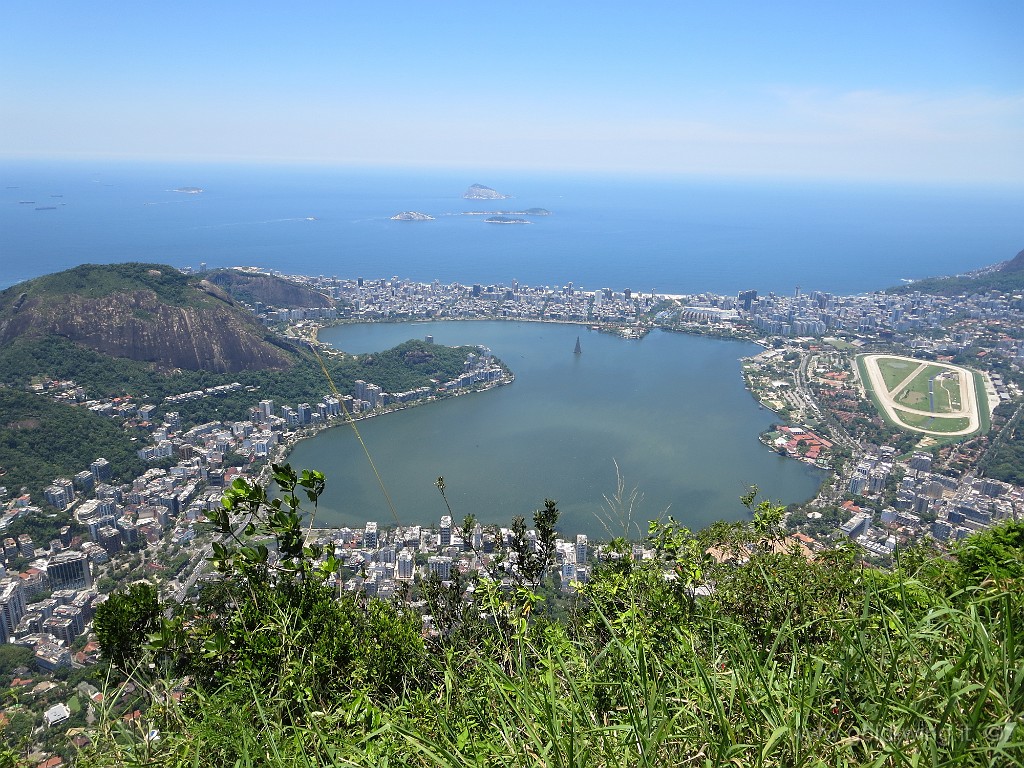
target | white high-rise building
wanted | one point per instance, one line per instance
(446, 531)
(370, 538)
(12, 607)
(581, 549)
(405, 566)
(442, 566)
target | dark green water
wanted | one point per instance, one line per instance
(670, 410)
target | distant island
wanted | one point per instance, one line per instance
(480, 192)
(412, 216)
(525, 212)
(188, 190)
(506, 220)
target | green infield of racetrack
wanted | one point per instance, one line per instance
(934, 423)
(894, 370)
(936, 426)
(915, 394)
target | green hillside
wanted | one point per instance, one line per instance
(41, 439)
(86, 435)
(100, 280)
(407, 366)
(72, 326)
(1008, 278)
(150, 313)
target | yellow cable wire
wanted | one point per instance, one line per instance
(348, 417)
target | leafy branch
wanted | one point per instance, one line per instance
(248, 510)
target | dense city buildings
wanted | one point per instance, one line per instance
(888, 488)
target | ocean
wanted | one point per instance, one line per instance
(647, 234)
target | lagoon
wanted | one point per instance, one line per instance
(668, 412)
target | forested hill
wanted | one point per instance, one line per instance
(41, 439)
(1007, 277)
(146, 312)
(146, 334)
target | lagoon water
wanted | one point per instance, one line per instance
(669, 411)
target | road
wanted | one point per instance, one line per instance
(801, 379)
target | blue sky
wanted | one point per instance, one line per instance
(924, 91)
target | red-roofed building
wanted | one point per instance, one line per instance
(33, 581)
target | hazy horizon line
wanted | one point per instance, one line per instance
(519, 169)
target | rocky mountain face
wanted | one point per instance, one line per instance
(268, 289)
(169, 319)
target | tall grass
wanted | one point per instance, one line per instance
(902, 681)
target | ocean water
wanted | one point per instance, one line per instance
(672, 236)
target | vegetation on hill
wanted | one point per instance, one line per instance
(759, 656)
(64, 439)
(146, 312)
(99, 280)
(1008, 278)
(41, 439)
(1005, 458)
(407, 366)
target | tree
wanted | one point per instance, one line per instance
(997, 553)
(533, 562)
(12, 657)
(274, 621)
(124, 623)
(444, 601)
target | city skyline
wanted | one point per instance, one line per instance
(920, 91)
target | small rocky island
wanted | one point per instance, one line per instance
(412, 216)
(480, 192)
(526, 212)
(506, 220)
(189, 190)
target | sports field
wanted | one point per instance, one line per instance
(933, 398)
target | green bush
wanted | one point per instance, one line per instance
(757, 657)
